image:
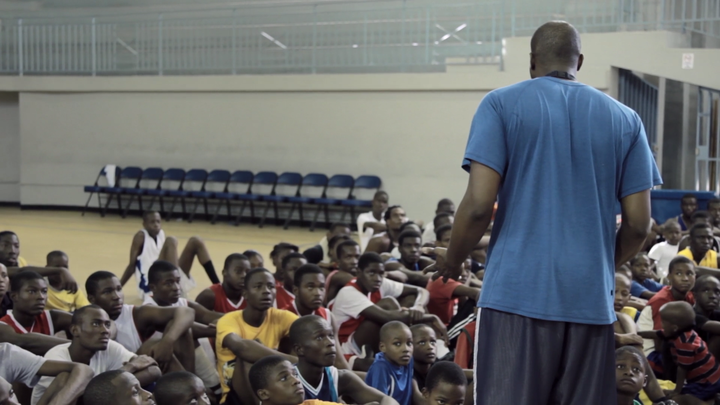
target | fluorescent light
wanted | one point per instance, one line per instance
(444, 37)
(415, 44)
(270, 37)
(479, 42)
(460, 28)
(355, 45)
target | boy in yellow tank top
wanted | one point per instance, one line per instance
(57, 297)
(700, 251)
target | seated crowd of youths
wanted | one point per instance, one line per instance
(341, 322)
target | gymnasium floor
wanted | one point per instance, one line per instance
(94, 243)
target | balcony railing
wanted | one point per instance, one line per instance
(350, 37)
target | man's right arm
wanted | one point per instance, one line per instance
(135, 247)
(78, 378)
(635, 226)
(250, 350)
(33, 342)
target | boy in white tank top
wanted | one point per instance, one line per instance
(150, 245)
(136, 325)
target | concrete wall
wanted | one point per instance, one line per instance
(9, 147)
(410, 129)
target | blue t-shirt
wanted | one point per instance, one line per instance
(636, 289)
(567, 153)
(391, 380)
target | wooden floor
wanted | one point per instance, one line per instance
(94, 243)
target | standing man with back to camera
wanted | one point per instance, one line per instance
(558, 155)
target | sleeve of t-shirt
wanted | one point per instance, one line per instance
(351, 302)
(118, 355)
(21, 366)
(81, 300)
(636, 289)
(656, 286)
(486, 142)
(639, 171)
(287, 319)
(391, 288)
(655, 252)
(379, 378)
(225, 326)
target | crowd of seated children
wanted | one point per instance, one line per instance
(97, 348)
(150, 244)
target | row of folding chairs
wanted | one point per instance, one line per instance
(199, 188)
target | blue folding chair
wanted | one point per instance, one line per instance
(171, 180)
(240, 182)
(261, 181)
(129, 178)
(338, 189)
(286, 186)
(312, 187)
(149, 180)
(216, 182)
(365, 185)
(99, 189)
(194, 181)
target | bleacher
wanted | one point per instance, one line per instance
(197, 192)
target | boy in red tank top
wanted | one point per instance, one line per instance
(227, 297)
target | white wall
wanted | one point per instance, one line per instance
(9, 147)
(410, 129)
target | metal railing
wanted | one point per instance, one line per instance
(389, 36)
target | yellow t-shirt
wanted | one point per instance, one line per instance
(65, 300)
(710, 259)
(22, 262)
(317, 402)
(632, 312)
(270, 333)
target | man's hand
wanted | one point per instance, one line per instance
(68, 281)
(629, 340)
(440, 267)
(142, 362)
(162, 352)
(415, 315)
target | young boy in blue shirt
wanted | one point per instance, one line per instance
(392, 371)
(643, 286)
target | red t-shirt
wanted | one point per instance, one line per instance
(42, 324)
(661, 298)
(223, 303)
(464, 348)
(321, 312)
(441, 298)
(284, 299)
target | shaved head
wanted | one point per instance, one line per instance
(679, 313)
(556, 42)
(622, 280)
(392, 329)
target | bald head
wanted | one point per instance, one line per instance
(621, 280)
(679, 313)
(555, 45)
(393, 329)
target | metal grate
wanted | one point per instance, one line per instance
(641, 96)
(347, 37)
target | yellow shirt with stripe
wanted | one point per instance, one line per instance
(710, 259)
(65, 300)
(274, 328)
(632, 312)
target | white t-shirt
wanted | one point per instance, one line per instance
(350, 302)
(19, 365)
(367, 234)
(663, 253)
(645, 322)
(429, 233)
(112, 358)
